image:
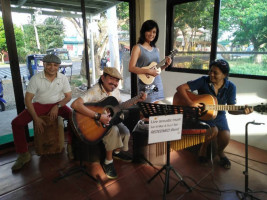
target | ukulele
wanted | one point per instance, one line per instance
(148, 79)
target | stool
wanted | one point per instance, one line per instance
(153, 154)
(88, 152)
(51, 141)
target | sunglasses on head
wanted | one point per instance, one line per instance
(220, 62)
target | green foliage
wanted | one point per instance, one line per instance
(197, 63)
(19, 40)
(190, 17)
(50, 33)
(194, 14)
(246, 66)
(123, 10)
(2, 36)
(123, 15)
(247, 19)
(77, 80)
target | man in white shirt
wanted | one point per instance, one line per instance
(117, 138)
(48, 93)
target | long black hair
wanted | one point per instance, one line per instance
(100, 80)
(147, 26)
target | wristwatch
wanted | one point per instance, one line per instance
(59, 105)
(97, 116)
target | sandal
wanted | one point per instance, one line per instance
(225, 162)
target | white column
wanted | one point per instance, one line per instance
(113, 37)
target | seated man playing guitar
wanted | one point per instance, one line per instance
(117, 136)
(216, 85)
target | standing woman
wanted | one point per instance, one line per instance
(144, 53)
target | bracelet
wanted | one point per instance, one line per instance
(97, 116)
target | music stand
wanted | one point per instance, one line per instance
(247, 192)
(149, 109)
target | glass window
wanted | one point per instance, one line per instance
(192, 29)
(42, 32)
(242, 36)
(110, 34)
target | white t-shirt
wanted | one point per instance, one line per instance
(46, 92)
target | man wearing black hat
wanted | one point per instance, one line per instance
(117, 138)
(48, 93)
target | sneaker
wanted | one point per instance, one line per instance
(22, 159)
(122, 156)
(70, 152)
(110, 171)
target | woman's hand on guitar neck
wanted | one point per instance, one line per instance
(168, 61)
(247, 110)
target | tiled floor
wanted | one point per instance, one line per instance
(35, 181)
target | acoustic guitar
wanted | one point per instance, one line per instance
(148, 79)
(92, 131)
(210, 107)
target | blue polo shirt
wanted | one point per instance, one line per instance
(226, 95)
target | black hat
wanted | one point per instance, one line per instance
(51, 58)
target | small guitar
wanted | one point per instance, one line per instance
(92, 131)
(210, 107)
(148, 79)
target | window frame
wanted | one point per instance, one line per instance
(214, 39)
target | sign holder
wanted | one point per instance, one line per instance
(150, 109)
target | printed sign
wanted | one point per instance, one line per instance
(165, 128)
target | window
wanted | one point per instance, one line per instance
(42, 30)
(242, 36)
(191, 34)
(240, 40)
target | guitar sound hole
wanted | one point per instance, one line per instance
(109, 111)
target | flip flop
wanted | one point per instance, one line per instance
(225, 162)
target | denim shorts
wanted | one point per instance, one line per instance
(220, 121)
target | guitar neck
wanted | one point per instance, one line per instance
(161, 63)
(130, 102)
(224, 107)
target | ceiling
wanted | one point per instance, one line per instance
(61, 7)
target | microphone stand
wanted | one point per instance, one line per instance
(247, 190)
